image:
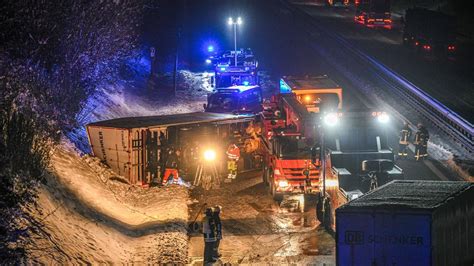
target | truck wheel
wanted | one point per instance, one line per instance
(327, 215)
(278, 197)
(265, 176)
(320, 210)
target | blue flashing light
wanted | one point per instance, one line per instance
(284, 88)
(208, 61)
(210, 48)
(222, 68)
(245, 83)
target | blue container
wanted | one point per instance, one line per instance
(408, 223)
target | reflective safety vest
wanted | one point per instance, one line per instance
(421, 137)
(233, 152)
(405, 134)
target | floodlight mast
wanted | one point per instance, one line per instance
(234, 23)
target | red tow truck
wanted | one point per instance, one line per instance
(314, 147)
(290, 133)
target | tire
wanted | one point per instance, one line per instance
(320, 210)
(265, 176)
(327, 215)
(278, 197)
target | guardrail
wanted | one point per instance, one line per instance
(457, 128)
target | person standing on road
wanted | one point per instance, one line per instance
(171, 166)
(405, 134)
(421, 142)
(217, 218)
(209, 233)
(233, 155)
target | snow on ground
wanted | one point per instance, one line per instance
(89, 215)
(140, 98)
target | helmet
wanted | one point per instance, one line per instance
(209, 211)
(420, 125)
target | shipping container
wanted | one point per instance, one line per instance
(408, 223)
(131, 146)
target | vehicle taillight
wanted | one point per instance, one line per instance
(417, 43)
(451, 47)
(426, 47)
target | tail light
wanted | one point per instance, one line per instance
(451, 47)
(417, 43)
(426, 47)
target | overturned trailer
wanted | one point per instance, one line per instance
(131, 146)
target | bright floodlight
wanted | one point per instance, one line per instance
(239, 20)
(210, 48)
(383, 118)
(230, 21)
(208, 61)
(331, 119)
(209, 155)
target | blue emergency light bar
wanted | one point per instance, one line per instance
(236, 89)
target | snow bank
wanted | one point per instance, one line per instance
(124, 99)
(87, 214)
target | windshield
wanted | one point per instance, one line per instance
(222, 102)
(292, 148)
(232, 80)
(325, 101)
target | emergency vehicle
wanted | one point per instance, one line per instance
(235, 99)
(244, 73)
(290, 124)
(373, 13)
(236, 88)
(299, 128)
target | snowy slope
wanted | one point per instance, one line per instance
(89, 215)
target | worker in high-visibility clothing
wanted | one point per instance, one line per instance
(171, 166)
(421, 142)
(405, 134)
(209, 232)
(233, 156)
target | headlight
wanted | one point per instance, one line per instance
(283, 183)
(331, 119)
(383, 118)
(209, 155)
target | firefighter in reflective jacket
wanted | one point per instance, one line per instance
(233, 155)
(171, 166)
(209, 231)
(421, 142)
(405, 134)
